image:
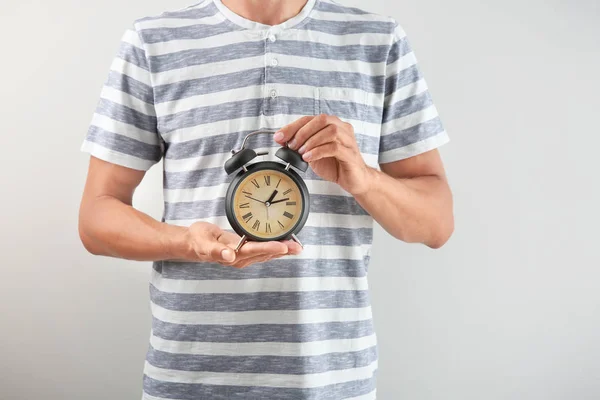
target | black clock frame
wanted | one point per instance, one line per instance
(260, 166)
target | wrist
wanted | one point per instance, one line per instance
(368, 183)
(178, 243)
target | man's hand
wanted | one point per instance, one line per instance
(410, 198)
(110, 226)
(329, 146)
(211, 244)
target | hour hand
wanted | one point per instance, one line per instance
(272, 197)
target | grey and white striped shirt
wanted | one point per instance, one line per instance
(186, 87)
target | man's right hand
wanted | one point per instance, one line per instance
(212, 244)
(110, 226)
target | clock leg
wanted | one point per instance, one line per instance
(295, 239)
(241, 243)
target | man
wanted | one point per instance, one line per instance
(341, 86)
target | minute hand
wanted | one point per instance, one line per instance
(260, 201)
(279, 201)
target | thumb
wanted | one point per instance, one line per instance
(217, 251)
(226, 254)
(209, 244)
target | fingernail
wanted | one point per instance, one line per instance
(302, 149)
(307, 156)
(292, 144)
(227, 255)
(278, 136)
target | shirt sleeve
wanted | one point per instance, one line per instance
(123, 129)
(410, 123)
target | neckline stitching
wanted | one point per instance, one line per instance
(253, 26)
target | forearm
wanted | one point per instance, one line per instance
(414, 210)
(109, 227)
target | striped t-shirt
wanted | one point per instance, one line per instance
(186, 87)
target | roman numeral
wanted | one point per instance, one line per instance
(255, 183)
(248, 193)
(245, 205)
(268, 228)
(267, 180)
(288, 215)
(290, 203)
(247, 217)
(278, 183)
(287, 191)
(256, 225)
(280, 224)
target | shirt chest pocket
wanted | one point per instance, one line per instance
(345, 103)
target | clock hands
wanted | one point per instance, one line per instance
(272, 197)
(274, 202)
(279, 201)
(269, 201)
(260, 201)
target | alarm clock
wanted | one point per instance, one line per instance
(266, 200)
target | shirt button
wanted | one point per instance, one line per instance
(274, 62)
(272, 37)
(273, 93)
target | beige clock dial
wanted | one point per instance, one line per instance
(256, 214)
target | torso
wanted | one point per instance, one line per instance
(294, 328)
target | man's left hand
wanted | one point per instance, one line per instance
(329, 146)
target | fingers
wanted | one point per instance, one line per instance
(331, 133)
(334, 149)
(251, 249)
(252, 260)
(293, 247)
(257, 249)
(213, 244)
(312, 127)
(286, 133)
(323, 124)
(308, 133)
(207, 244)
(219, 251)
(229, 238)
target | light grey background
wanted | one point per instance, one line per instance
(508, 309)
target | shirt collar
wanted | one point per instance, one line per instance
(253, 25)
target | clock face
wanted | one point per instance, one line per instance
(267, 204)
